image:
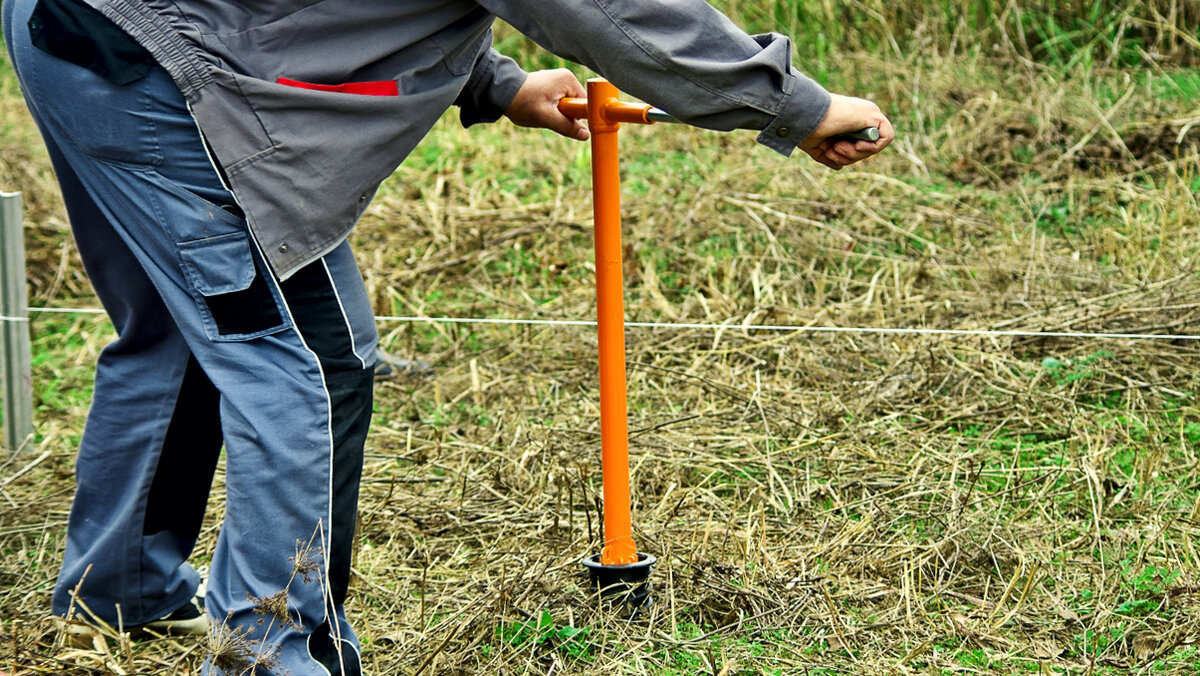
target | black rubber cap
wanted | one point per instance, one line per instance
(627, 587)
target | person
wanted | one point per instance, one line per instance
(213, 155)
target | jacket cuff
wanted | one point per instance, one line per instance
(490, 89)
(804, 106)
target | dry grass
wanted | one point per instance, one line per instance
(818, 503)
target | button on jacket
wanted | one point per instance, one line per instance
(308, 105)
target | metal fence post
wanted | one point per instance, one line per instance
(15, 362)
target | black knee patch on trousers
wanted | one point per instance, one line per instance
(183, 478)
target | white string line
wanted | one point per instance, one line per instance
(802, 329)
(735, 327)
(83, 311)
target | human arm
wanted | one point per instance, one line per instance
(493, 84)
(497, 85)
(686, 58)
(828, 144)
(536, 103)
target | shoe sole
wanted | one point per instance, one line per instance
(81, 634)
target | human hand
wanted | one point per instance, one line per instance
(847, 114)
(536, 103)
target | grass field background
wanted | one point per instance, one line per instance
(819, 503)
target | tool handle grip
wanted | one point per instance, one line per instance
(865, 134)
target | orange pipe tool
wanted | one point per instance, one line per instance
(619, 569)
(605, 112)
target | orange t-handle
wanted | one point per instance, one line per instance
(604, 113)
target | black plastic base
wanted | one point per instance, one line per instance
(627, 586)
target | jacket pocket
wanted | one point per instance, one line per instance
(235, 300)
(380, 88)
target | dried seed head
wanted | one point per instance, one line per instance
(231, 651)
(305, 562)
(275, 605)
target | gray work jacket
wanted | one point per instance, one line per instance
(304, 163)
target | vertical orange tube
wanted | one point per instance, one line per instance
(619, 548)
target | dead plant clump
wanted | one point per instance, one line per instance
(818, 502)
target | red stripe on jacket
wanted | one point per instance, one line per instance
(381, 88)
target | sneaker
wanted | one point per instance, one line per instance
(388, 365)
(188, 620)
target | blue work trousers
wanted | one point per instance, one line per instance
(212, 350)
